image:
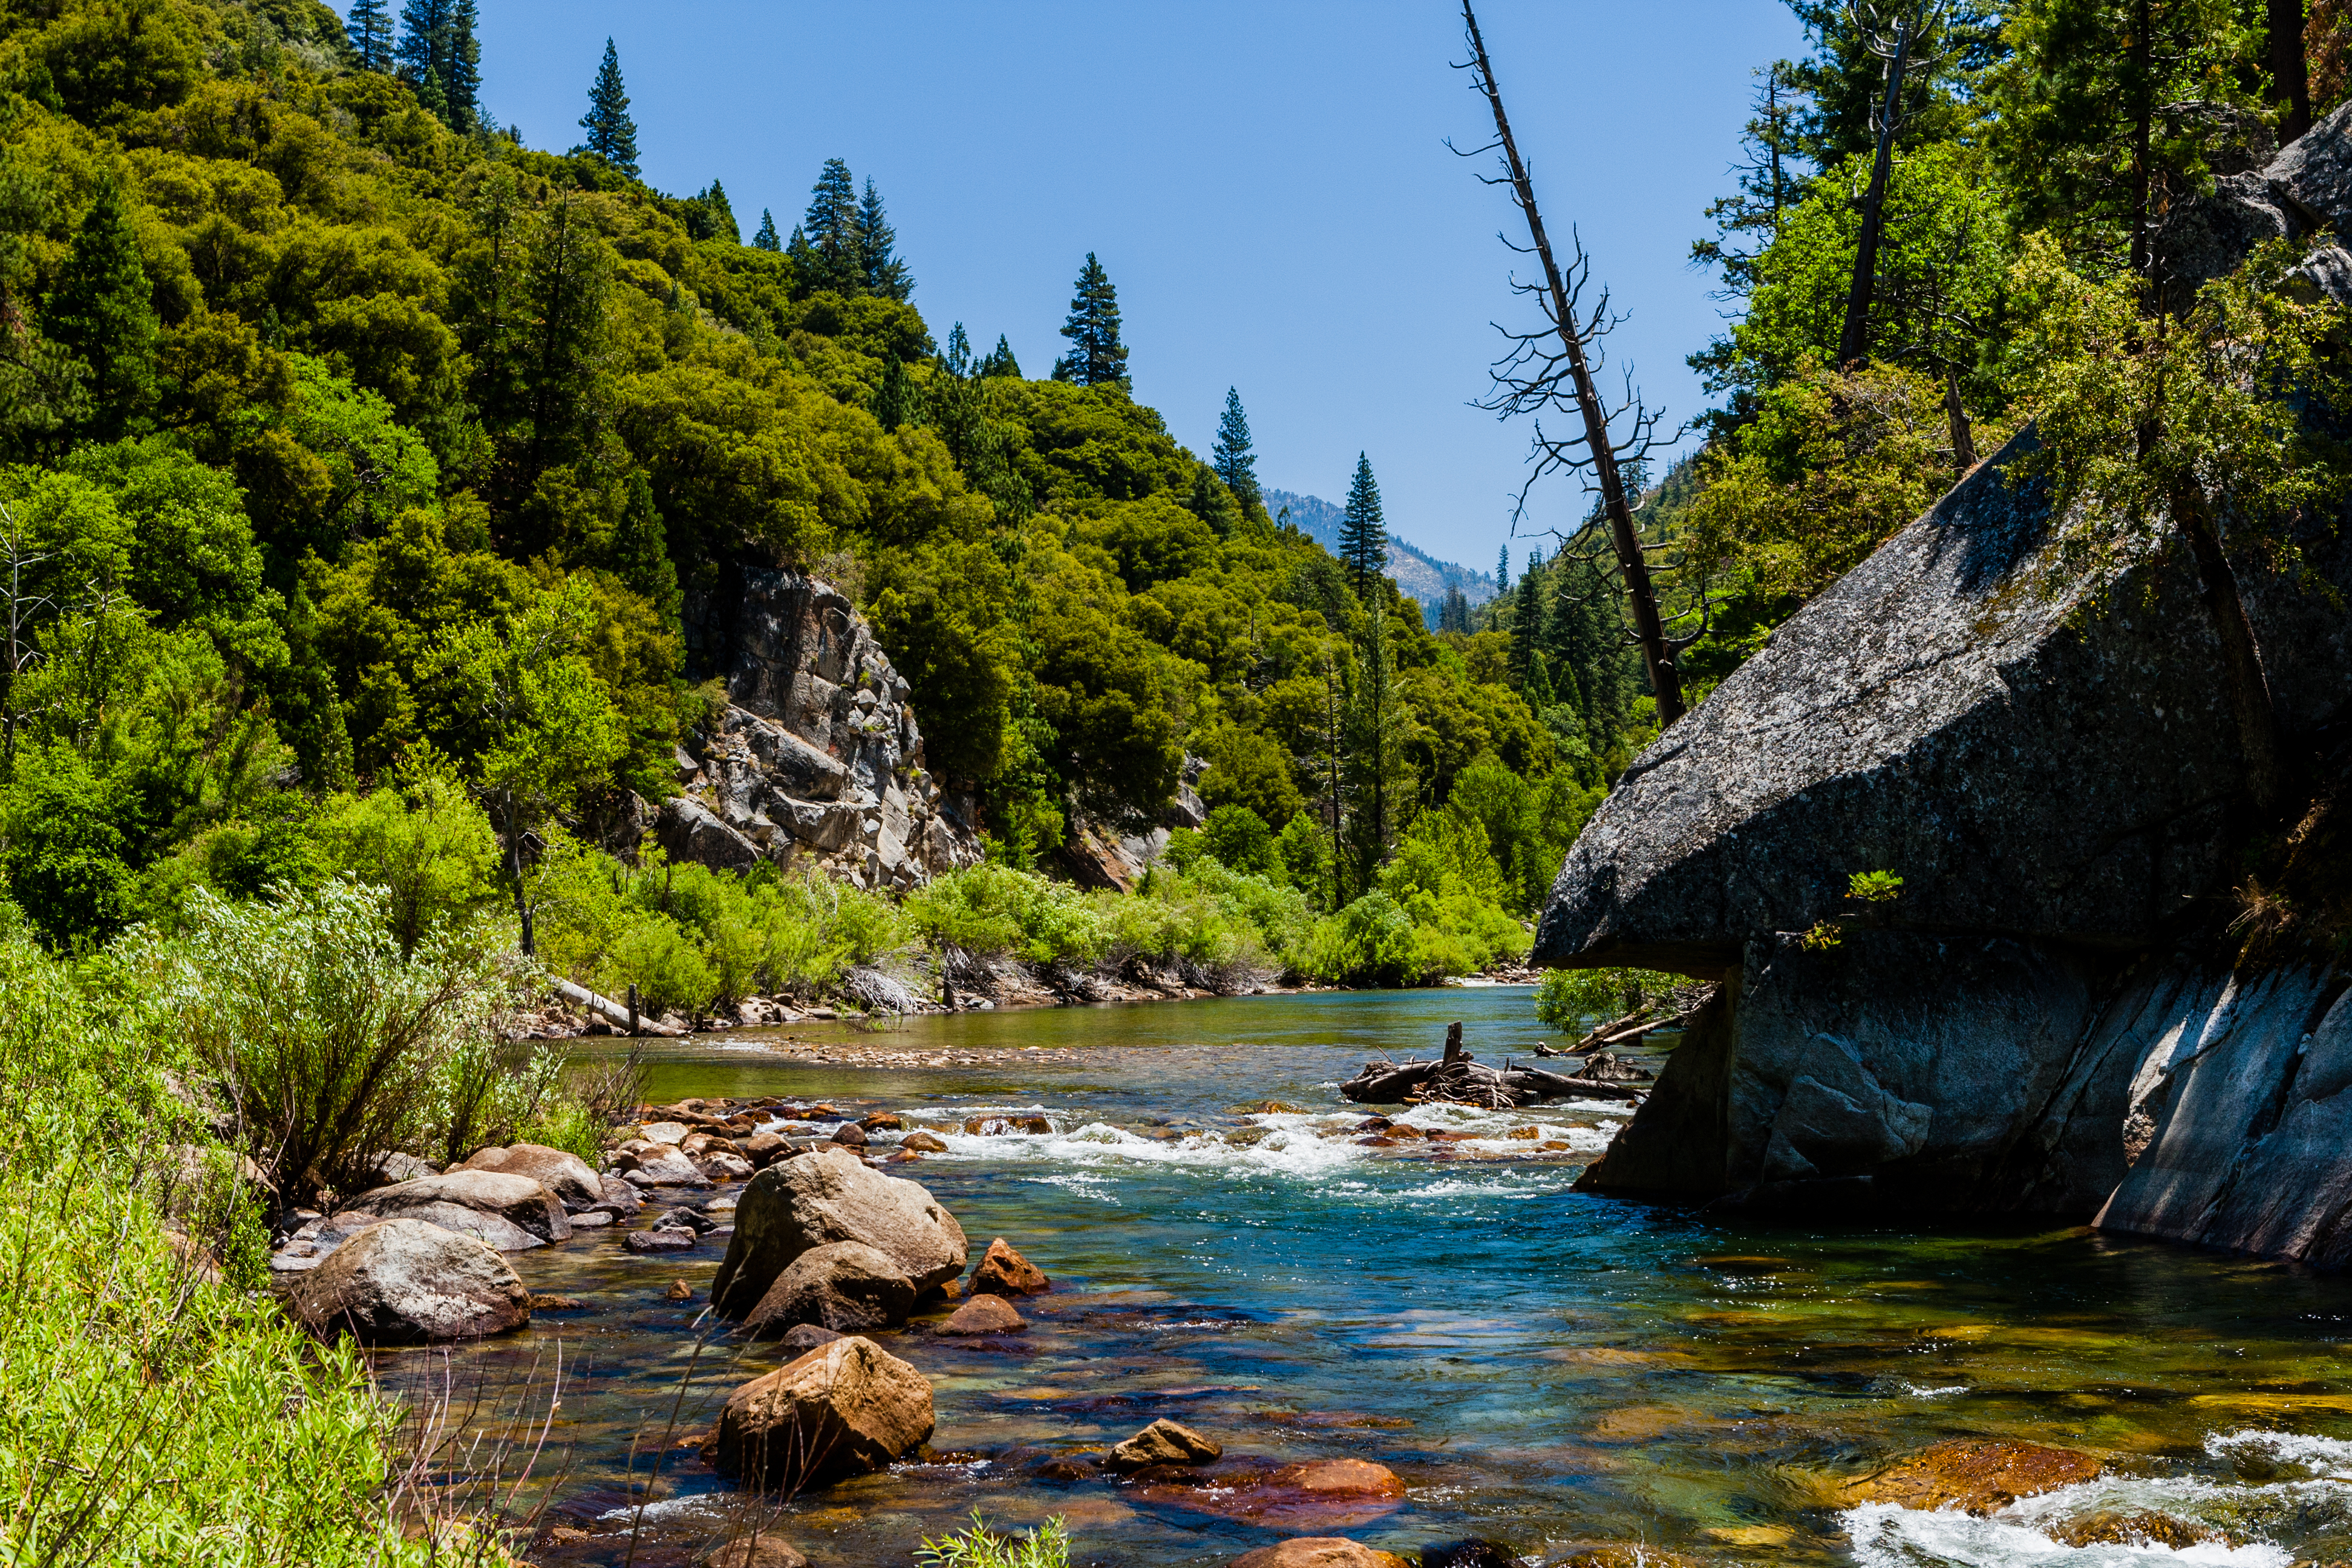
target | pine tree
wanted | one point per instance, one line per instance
(1234, 458)
(1363, 539)
(1000, 361)
(103, 311)
(836, 255)
(427, 41)
(1097, 357)
(612, 135)
(640, 555)
(896, 403)
(709, 214)
(957, 359)
(766, 239)
(461, 68)
(1503, 569)
(370, 28)
(881, 273)
(803, 257)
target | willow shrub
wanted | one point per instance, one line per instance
(1578, 998)
(331, 1048)
(156, 1413)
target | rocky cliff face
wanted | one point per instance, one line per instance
(817, 760)
(2051, 766)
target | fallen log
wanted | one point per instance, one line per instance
(1463, 1080)
(612, 1012)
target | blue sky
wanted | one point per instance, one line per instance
(1266, 184)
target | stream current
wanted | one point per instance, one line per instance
(1544, 1369)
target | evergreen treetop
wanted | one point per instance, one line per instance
(439, 57)
(102, 310)
(882, 273)
(999, 359)
(612, 135)
(1363, 537)
(835, 251)
(1097, 357)
(370, 29)
(1234, 458)
(766, 239)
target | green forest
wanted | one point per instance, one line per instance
(360, 464)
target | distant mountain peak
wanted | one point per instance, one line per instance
(1419, 575)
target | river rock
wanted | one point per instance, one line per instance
(826, 1197)
(1164, 1442)
(756, 1551)
(844, 1285)
(983, 1315)
(559, 1171)
(1979, 1477)
(656, 1241)
(803, 1338)
(658, 1166)
(1005, 1126)
(923, 1143)
(849, 1135)
(623, 1198)
(1319, 1552)
(492, 1204)
(845, 1408)
(724, 1165)
(405, 1281)
(1004, 1272)
(762, 1149)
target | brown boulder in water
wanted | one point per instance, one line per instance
(755, 1552)
(923, 1143)
(826, 1197)
(844, 1409)
(1318, 1552)
(1004, 1272)
(983, 1315)
(559, 1171)
(1978, 1477)
(1163, 1443)
(843, 1285)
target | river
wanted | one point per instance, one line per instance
(1544, 1369)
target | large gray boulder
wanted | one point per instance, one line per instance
(405, 1281)
(511, 1213)
(2044, 755)
(832, 1195)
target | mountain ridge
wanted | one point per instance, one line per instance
(1418, 573)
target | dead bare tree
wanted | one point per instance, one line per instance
(23, 605)
(1555, 367)
(1893, 32)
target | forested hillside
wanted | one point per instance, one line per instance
(364, 460)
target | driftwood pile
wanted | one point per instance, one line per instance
(1457, 1079)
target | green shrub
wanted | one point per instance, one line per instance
(992, 910)
(1047, 1546)
(1578, 998)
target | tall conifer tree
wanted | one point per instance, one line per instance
(1363, 536)
(103, 311)
(882, 273)
(835, 256)
(1234, 458)
(370, 29)
(766, 239)
(1097, 357)
(999, 359)
(612, 135)
(461, 68)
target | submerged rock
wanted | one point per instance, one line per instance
(1164, 1442)
(923, 1143)
(1979, 1478)
(803, 1338)
(405, 1281)
(755, 1552)
(831, 1196)
(844, 1285)
(1319, 1552)
(1001, 1271)
(844, 1409)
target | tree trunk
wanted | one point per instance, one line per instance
(2290, 75)
(2242, 659)
(2143, 112)
(1649, 629)
(1964, 440)
(1853, 338)
(522, 895)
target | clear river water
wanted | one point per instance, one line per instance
(1544, 1369)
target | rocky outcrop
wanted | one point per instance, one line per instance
(844, 1409)
(405, 1281)
(832, 1195)
(559, 1171)
(2046, 758)
(817, 759)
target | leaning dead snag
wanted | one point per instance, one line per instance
(1554, 367)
